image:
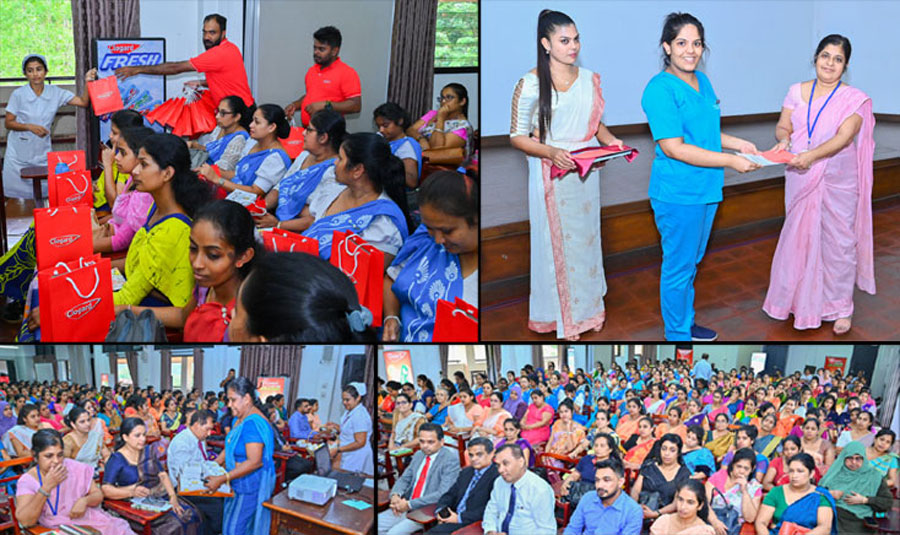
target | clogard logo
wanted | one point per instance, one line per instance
(64, 241)
(123, 48)
(79, 310)
(105, 95)
(72, 199)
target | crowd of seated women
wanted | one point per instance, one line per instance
(768, 451)
(91, 445)
(166, 209)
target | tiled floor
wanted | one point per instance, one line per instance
(731, 286)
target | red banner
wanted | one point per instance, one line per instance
(835, 364)
(685, 355)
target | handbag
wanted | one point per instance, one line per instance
(62, 234)
(790, 528)
(143, 328)
(364, 265)
(293, 144)
(728, 515)
(650, 498)
(70, 189)
(576, 491)
(277, 240)
(455, 322)
(105, 96)
(77, 300)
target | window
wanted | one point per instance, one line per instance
(37, 26)
(122, 374)
(456, 36)
(183, 373)
(550, 354)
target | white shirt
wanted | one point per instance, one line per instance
(533, 509)
(183, 450)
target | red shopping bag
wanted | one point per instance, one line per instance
(790, 528)
(105, 96)
(81, 301)
(65, 161)
(278, 240)
(173, 112)
(183, 125)
(70, 189)
(159, 112)
(455, 322)
(364, 265)
(293, 145)
(62, 234)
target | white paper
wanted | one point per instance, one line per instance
(756, 158)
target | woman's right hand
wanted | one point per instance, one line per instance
(561, 158)
(742, 165)
(784, 144)
(56, 475)
(107, 155)
(38, 130)
(391, 331)
(720, 528)
(140, 491)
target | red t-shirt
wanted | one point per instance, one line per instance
(225, 74)
(336, 82)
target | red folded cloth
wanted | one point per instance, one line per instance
(585, 158)
(778, 156)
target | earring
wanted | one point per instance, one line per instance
(547, 51)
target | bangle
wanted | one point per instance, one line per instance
(278, 225)
(43, 492)
(393, 318)
(227, 478)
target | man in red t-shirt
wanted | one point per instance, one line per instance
(222, 62)
(330, 83)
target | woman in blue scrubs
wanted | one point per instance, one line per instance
(688, 172)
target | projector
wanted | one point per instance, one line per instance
(312, 489)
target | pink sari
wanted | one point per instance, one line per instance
(76, 485)
(826, 242)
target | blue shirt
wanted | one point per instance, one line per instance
(674, 109)
(552, 401)
(299, 425)
(624, 516)
(702, 370)
(437, 417)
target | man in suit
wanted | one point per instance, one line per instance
(431, 472)
(466, 499)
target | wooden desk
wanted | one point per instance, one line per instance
(333, 517)
(384, 500)
(124, 509)
(424, 515)
(36, 174)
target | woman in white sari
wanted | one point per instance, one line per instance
(492, 425)
(556, 109)
(17, 440)
(85, 442)
(405, 432)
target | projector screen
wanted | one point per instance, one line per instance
(756, 50)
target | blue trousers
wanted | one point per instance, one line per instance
(684, 230)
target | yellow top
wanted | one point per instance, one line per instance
(100, 185)
(159, 258)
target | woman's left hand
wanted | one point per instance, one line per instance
(91, 75)
(266, 221)
(616, 142)
(173, 501)
(207, 171)
(214, 482)
(804, 160)
(34, 319)
(747, 148)
(854, 499)
(78, 508)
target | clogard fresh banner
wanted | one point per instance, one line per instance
(269, 386)
(142, 92)
(399, 366)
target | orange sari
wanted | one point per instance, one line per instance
(665, 427)
(638, 453)
(785, 424)
(627, 427)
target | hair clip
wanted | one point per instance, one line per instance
(359, 319)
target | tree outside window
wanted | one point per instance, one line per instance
(456, 36)
(36, 27)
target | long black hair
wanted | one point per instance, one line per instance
(700, 492)
(385, 171)
(171, 151)
(237, 107)
(128, 425)
(453, 193)
(548, 21)
(127, 119)
(273, 113)
(235, 225)
(27, 409)
(395, 113)
(672, 25)
(332, 124)
(244, 387)
(461, 94)
(298, 297)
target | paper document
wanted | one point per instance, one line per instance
(770, 157)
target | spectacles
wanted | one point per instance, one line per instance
(442, 98)
(224, 112)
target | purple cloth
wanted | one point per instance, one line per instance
(129, 213)
(6, 422)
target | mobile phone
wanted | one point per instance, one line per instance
(445, 512)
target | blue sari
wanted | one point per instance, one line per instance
(397, 143)
(430, 273)
(700, 458)
(244, 513)
(245, 171)
(804, 511)
(294, 190)
(216, 148)
(356, 219)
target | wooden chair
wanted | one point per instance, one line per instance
(554, 475)
(460, 446)
(8, 520)
(424, 516)
(471, 529)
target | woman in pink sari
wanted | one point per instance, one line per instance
(61, 491)
(826, 242)
(536, 424)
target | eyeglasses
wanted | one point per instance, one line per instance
(442, 98)
(224, 112)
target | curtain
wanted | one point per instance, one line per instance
(132, 359)
(114, 368)
(198, 368)
(165, 373)
(444, 352)
(494, 362)
(411, 74)
(92, 19)
(892, 386)
(369, 381)
(272, 360)
(536, 356)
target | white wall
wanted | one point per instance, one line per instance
(800, 356)
(756, 50)
(320, 377)
(469, 81)
(180, 22)
(285, 48)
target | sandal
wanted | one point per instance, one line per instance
(842, 326)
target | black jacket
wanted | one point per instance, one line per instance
(477, 499)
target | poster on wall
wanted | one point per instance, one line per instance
(835, 364)
(686, 355)
(142, 92)
(398, 365)
(269, 386)
(104, 379)
(758, 362)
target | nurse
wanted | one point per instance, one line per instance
(355, 432)
(29, 118)
(688, 172)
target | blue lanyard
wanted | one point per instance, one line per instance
(809, 131)
(53, 508)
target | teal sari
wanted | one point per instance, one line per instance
(244, 513)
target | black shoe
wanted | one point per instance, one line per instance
(13, 312)
(702, 334)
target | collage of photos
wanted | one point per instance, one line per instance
(586, 267)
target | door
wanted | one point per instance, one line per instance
(864, 360)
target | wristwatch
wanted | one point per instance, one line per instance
(221, 181)
(328, 105)
(43, 492)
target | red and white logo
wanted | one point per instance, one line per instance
(123, 48)
(78, 311)
(75, 198)
(65, 240)
(105, 95)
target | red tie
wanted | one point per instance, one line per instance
(417, 491)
